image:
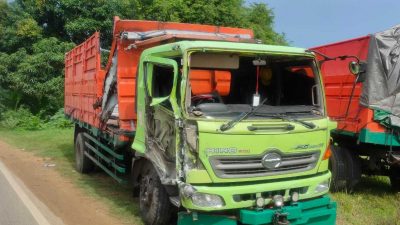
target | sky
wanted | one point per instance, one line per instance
(309, 23)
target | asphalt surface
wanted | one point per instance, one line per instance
(15, 206)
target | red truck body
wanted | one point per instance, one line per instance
(338, 83)
(364, 105)
(84, 76)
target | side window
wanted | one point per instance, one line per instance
(162, 83)
(163, 80)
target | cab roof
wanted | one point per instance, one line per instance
(185, 46)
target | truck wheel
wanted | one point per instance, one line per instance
(154, 204)
(338, 169)
(353, 165)
(82, 163)
(395, 178)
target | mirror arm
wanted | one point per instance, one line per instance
(329, 58)
(326, 58)
(343, 57)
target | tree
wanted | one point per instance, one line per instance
(35, 79)
(75, 20)
(17, 28)
(261, 19)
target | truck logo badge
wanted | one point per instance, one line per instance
(308, 146)
(221, 150)
(271, 160)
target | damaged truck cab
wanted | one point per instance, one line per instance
(189, 92)
(225, 130)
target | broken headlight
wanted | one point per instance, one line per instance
(322, 187)
(207, 200)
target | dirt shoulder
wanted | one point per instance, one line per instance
(63, 198)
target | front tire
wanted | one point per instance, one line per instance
(82, 163)
(338, 169)
(155, 207)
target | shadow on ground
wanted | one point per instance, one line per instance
(100, 185)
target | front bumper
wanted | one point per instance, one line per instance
(319, 211)
(229, 193)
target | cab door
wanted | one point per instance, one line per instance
(156, 123)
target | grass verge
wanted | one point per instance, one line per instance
(56, 145)
(372, 202)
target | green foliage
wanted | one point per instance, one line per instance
(36, 75)
(260, 18)
(22, 119)
(75, 20)
(58, 120)
(17, 28)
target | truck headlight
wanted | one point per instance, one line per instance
(322, 187)
(207, 200)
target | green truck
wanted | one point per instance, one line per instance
(208, 125)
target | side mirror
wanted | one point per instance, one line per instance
(354, 67)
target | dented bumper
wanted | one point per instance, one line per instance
(240, 196)
(318, 211)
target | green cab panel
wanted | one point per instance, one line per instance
(236, 155)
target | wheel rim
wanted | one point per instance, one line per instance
(146, 191)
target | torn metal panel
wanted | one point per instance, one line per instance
(161, 145)
(110, 98)
(165, 169)
(157, 33)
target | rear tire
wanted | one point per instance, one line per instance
(395, 178)
(82, 163)
(155, 207)
(338, 169)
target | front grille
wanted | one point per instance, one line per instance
(251, 166)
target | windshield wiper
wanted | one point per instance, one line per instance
(242, 116)
(287, 118)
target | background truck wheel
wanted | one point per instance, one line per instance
(338, 169)
(155, 207)
(395, 178)
(82, 163)
(353, 168)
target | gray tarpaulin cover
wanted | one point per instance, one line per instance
(381, 89)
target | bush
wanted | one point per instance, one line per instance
(22, 119)
(58, 120)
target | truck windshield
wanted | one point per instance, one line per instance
(227, 86)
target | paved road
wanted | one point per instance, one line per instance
(16, 207)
